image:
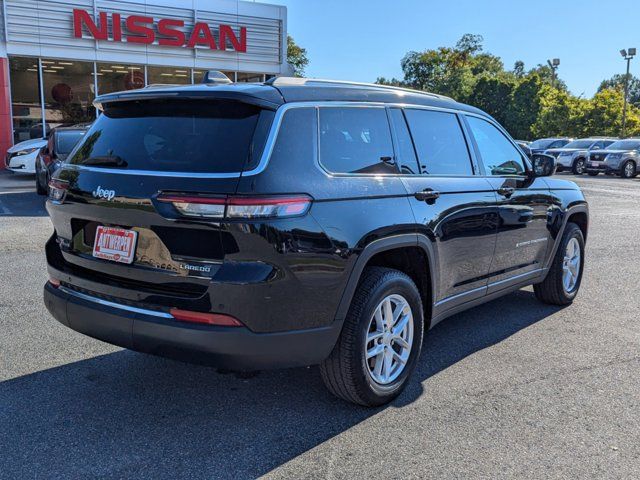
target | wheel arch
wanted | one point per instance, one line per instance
(577, 213)
(396, 252)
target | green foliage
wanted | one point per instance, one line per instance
(617, 82)
(296, 57)
(523, 107)
(529, 103)
(493, 95)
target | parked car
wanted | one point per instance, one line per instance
(300, 222)
(59, 145)
(542, 144)
(619, 158)
(21, 158)
(573, 156)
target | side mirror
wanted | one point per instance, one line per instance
(543, 165)
(595, 147)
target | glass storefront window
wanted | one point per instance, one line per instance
(68, 92)
(198, 75)
(250, 77)
(25, 99)
(168, 76)
(114, 77)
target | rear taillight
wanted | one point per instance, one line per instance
(205, 318)
(57, 190)
(239, 207)
(54, 282)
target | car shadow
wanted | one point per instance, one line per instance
(130, 415)
(22, 204)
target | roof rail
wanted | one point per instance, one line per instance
(300, 81)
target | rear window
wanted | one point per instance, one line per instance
(356, 140)
(67, 140)
(181, 136)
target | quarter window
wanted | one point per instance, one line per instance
(499, 155)
(440, 143)
(356, 140)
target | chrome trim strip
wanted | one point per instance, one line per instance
(487, 287)
(458, 295)
(119, 306)
(516, 277)
(270, 143)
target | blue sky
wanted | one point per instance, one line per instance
(361, 40)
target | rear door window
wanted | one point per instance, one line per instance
(356, 140)
(440, 143)
(171, 135)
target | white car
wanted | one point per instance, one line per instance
(21, 158)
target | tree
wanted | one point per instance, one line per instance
(394, 82)
(560, 114)
(493, 95)
(546, 75)
(617, 82)
(439, 71)
(518, 69)
(296, 57)
(523, 107)
(605, 114)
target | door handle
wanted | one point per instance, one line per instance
(427, 195)
(506, 191)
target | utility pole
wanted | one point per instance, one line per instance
(553, 64)
(627, 55)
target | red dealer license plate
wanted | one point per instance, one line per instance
(116, 244)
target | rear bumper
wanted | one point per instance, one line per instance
(158, 333)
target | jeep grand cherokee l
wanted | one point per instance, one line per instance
(301, 222)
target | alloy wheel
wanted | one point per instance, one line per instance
(629, 170)
(571, 265)
(389, 339)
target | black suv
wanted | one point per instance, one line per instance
(301, 222)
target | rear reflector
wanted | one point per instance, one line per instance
(205, 318)
(239, 207)
(55, 283)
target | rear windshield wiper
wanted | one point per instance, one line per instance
(106, 161)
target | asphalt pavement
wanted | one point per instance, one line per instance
(511, 389)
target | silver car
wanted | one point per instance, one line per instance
(620, 158)
(573, 156)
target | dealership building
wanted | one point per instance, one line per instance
(57, 55)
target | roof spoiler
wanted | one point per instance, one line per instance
(152, 94)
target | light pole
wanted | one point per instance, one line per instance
(553, 64)
(627, 55)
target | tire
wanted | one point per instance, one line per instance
(40, 190)
(592, 174)
(346, 372)
(552, 289)
(628, 169)
(578, 167)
